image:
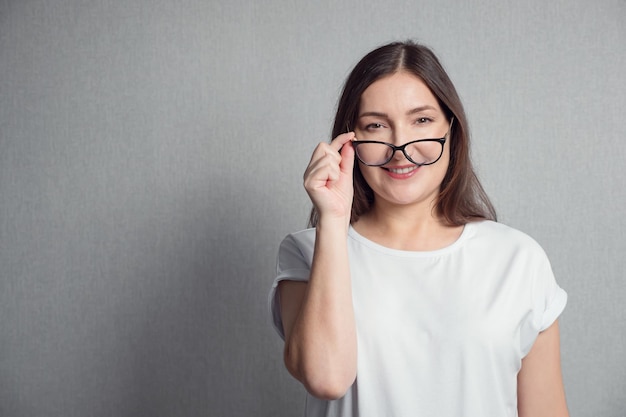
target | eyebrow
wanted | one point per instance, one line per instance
(410, 112)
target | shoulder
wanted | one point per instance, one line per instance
(500, 238)
(302, 240)
(296, 249)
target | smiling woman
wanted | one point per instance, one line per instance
(406, 298)
(401, 109)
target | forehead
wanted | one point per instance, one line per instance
(398, 90)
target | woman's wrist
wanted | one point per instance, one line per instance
(330, 224)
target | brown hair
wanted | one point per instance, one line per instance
(461, 197)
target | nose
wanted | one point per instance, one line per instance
(399, 138)
(398, 155)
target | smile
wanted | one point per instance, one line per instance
(405, 170)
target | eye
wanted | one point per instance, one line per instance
(374, 126)
(422, 120)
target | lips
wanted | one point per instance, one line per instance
(401, 171)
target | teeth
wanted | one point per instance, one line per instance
(402, 170)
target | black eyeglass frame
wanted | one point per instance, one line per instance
(402, 148)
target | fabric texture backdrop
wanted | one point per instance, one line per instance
(151, 156)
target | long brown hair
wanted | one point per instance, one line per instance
(461, 198)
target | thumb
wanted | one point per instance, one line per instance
(347, 158)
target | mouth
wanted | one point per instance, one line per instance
(402, 170)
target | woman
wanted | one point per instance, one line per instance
(406, 298)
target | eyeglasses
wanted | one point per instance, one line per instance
(420, 152)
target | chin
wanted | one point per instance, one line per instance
(406, 202)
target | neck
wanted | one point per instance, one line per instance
(407, 228)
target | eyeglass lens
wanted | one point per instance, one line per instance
(421, 153)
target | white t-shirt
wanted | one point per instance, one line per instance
(440, 333)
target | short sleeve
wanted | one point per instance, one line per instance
(293, 263)
(548, 301)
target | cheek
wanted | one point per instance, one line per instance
(445, 158)
(368, 173)
(444, 163)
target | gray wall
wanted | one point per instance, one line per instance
(151, 155)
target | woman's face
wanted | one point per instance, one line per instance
(398, 109)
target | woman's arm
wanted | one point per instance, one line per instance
(540, 391)
(318, 316)
(318, 320)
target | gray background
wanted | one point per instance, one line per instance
(151, 155)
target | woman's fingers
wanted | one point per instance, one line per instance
(328, 178)
(347, 158)
(336, 157)
(341, 140)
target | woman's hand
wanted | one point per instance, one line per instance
(328, 178)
